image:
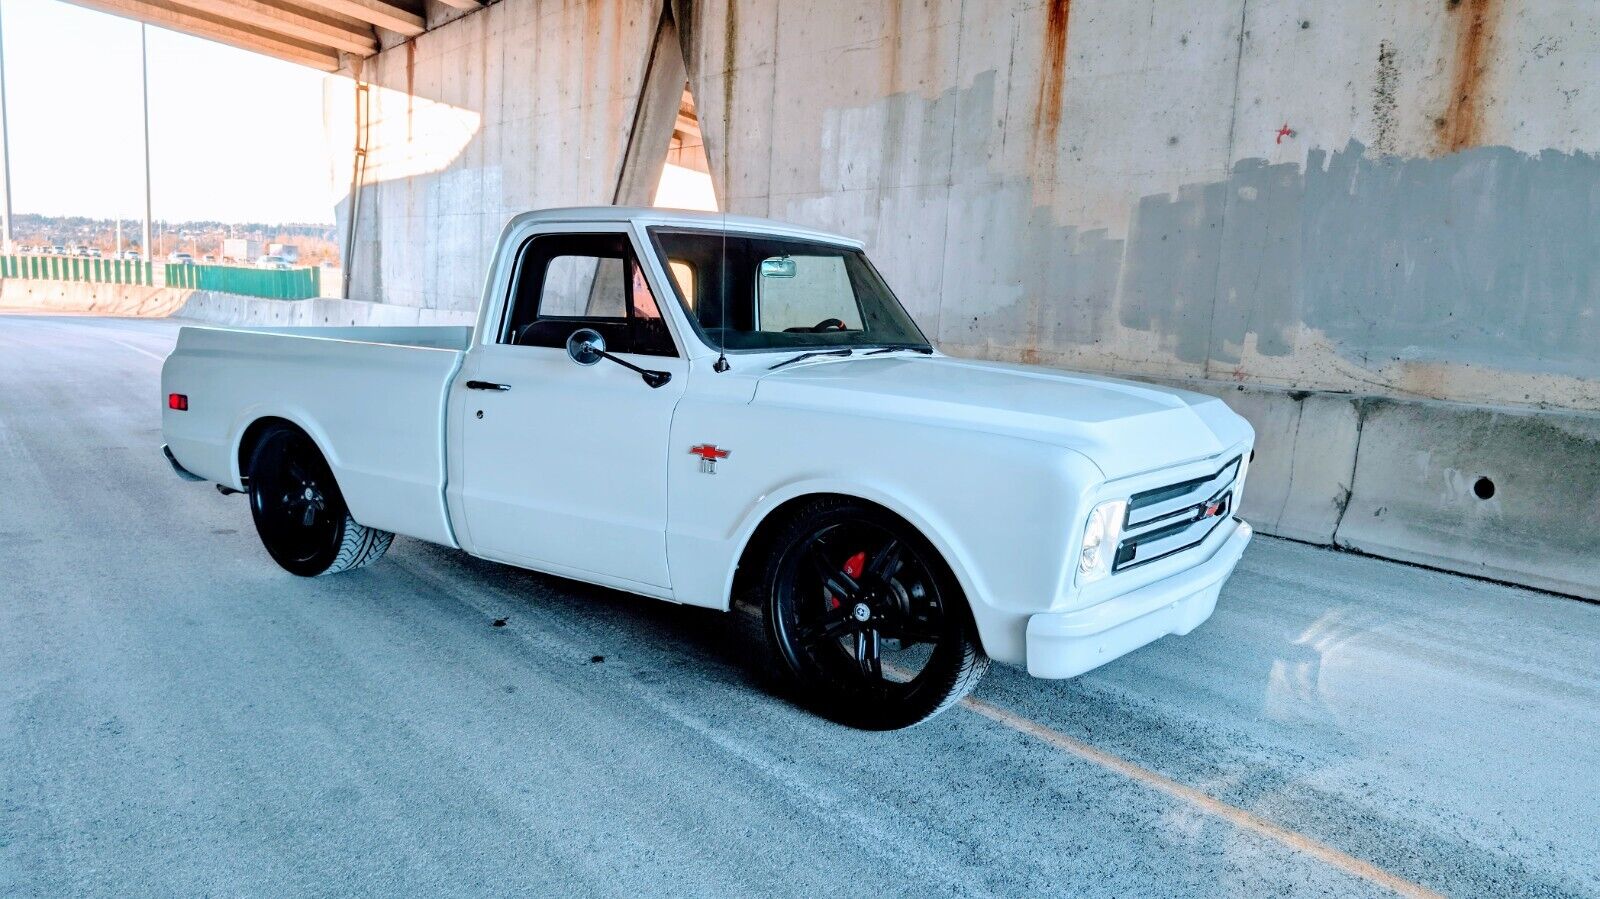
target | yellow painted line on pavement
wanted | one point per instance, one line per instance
(1234, 815)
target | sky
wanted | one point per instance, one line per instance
(234, 136)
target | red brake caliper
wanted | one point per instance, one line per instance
(853, 566)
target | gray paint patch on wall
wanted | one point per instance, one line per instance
(1487, 256)
(1169, 284)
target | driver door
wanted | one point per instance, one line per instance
(563, 466)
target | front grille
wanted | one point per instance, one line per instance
(1171, 519)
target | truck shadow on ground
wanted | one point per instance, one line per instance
(1246, 758)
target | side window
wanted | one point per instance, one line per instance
(649, 330)
(565, 282)
(582, 287)
(682, 271)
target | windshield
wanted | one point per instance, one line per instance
(750, 292)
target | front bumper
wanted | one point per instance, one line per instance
(1066, 644)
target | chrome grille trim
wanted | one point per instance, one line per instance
(1171, 519)
(1150, 506)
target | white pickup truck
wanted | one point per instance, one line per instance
(708, 409)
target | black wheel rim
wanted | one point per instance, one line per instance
(862, 606)
(297, 507)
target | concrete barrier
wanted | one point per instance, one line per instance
(1305, 459)
(1513, 496)
(89, 298)
(1503, 494)
(131, 300)
(230, 309)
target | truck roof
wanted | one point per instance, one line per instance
(650, 216)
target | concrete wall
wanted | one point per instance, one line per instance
(1373, 226)
(1105, 185)
(524, 104)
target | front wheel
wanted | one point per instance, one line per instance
(300, 513)
(865, 618)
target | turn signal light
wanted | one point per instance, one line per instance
(178, 401)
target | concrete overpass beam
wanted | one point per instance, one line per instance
(285, 19)
(375, 12)
(169, 14)
(654, 119)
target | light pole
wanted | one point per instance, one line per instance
(5, 149)
(144, 59)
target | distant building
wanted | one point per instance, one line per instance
(240, 249)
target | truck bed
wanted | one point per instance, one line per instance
(437, 337)
(373, 399)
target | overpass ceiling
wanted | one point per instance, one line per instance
(309, 32)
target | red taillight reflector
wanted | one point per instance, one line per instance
(178, 401)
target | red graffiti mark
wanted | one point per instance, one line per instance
(1284, 132)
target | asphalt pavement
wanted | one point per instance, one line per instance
(178, 716)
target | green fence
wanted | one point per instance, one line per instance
(277, 284)
(77, 268)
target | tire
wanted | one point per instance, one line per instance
(299, 512)
(864, 619)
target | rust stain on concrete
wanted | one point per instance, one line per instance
(730, 48)
(591, 63)
(1053, 71)
(893, 35)
(1043, 154)
(411, 82)
(620, 60)
(1461, 126)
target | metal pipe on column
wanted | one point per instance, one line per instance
(358, 173)
(5, 148)
(144, 58)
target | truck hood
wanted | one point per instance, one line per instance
(1124, 428)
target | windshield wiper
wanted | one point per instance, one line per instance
(913, 347)
(811, 355)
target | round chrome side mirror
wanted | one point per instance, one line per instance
(586, 346)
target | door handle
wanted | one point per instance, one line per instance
(487, 385)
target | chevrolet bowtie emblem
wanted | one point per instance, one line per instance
(709, 454)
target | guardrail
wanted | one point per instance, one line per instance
(274, 284)
(78, 268)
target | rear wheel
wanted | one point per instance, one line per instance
(865, 618)
(299, 512)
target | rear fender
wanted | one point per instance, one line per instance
(295, 416)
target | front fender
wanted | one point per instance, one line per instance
(928, 522)
(1000, 509)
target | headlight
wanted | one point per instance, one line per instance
(1100, 537)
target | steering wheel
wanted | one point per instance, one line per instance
(827, 324)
